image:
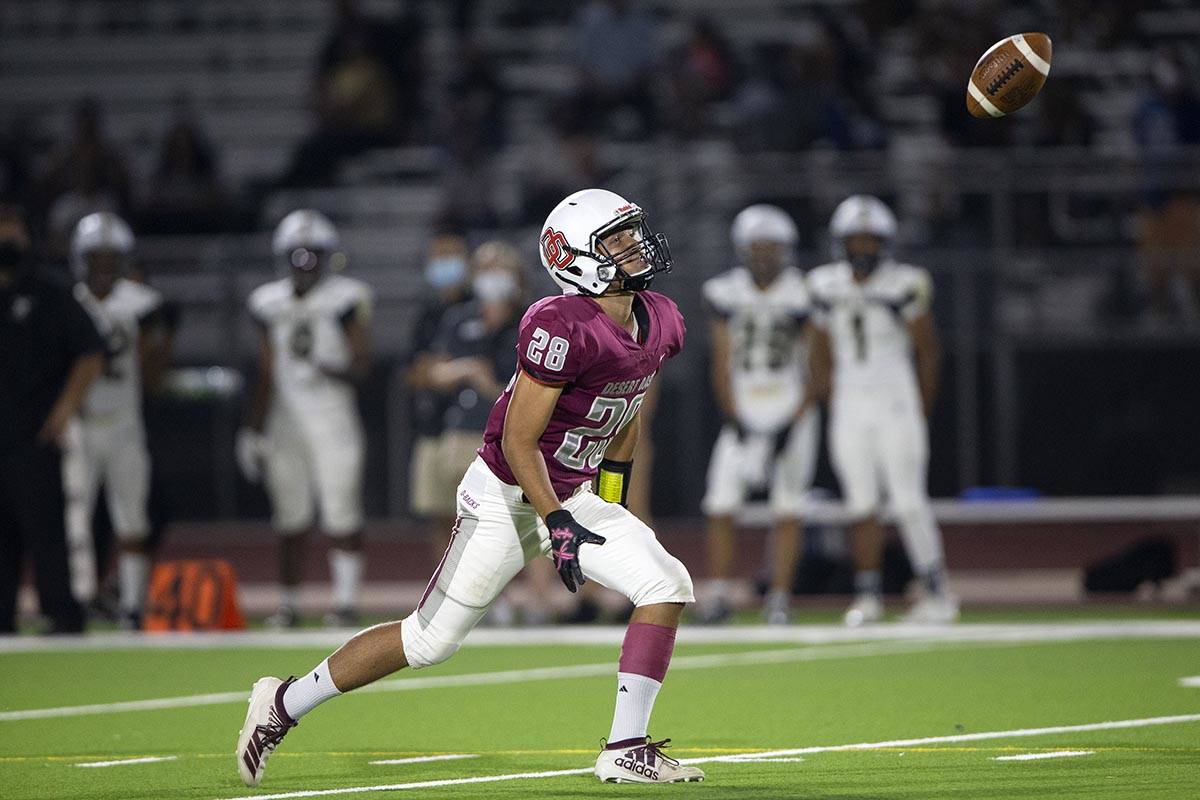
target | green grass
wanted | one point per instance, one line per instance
(550, 725)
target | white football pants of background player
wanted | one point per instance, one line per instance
(112, 453)
(318, 464)
(879, 441)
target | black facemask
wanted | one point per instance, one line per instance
(865, 263)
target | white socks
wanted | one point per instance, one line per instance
(309, 692)
(868, 582)
(132, 569)
(346, 567)
(635, 701)
(289, 597)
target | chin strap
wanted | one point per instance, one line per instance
(612, 483)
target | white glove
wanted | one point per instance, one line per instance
(250, 447)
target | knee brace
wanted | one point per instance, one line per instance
(422, 646)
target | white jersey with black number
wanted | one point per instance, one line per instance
(868, 323)
(307, 333)
(767, 363)
(117, 393)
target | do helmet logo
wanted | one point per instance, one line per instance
(556, 249)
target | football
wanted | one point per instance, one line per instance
(1009, 75)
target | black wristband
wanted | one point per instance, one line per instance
(612, 482)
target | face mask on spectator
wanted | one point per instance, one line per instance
(445, 271)
(494, 286)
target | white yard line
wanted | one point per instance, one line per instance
(751, 757)
(424, 759)
(1040, 756)
(964, 737)
(1190, 683)
(613, 634)
(123, 761)
(601, 669)
(889, 638)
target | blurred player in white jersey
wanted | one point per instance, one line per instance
(303, 433)
(769, 439)
(106, 445)
(876, 327)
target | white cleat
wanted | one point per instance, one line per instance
(866, 609)
(266, 725)
(643, 763)
(933, 610)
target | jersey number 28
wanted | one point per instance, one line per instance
(553, 349)
(583, 448)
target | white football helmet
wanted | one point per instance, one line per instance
(862, 214)
(102, 230)
(763, 223)
(304, 229)
(576, 258)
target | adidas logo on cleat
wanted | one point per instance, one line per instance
(638, 767)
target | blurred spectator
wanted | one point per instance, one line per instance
(394, 42)
(89, 150)
(1096, 24)
(87, 194)
(1062, 119)
(185, 193)
(472, 358)
(447, 281)
(568, 160)
(87, 174)
(1168, 114)
(1168, 237)
(469, 187)
(364, 95)
(475, 99)
(615, 46)
(791, 101)
(16, 155)
(702, 73)
(472, 130)
(1168, 232)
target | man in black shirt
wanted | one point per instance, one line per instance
(447, 276)
(50, 353)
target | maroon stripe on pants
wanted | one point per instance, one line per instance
(437, 573)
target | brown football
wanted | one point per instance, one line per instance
(1008, 75)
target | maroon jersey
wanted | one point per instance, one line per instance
(569, 341)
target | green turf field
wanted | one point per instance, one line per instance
(962, 701)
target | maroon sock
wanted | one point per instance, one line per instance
(647, 650)
(645, 654)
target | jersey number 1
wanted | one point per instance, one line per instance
(860, 336)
